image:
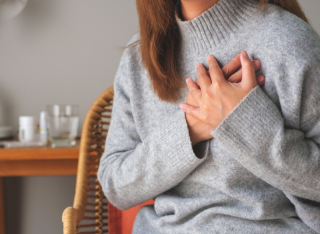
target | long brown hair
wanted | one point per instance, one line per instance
(160, 39)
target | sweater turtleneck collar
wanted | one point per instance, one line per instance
(215, 24)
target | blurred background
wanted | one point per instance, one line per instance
(62, 51)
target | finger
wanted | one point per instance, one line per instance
(198, 82)
(203, 78)
(248, 73)
(237, 77)
(231, 67)
(257, 64)
(194, 90)
(191, 110)
(260, 80)
(216, 73)
(191, 101)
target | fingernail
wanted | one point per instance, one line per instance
(187, 80)
(260, 78)
(244, 53)
(209, 57)
(256, 63)
(181, 106)
(198, 64)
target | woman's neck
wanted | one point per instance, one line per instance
(190, 9)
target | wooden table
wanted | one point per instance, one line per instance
(35, 162)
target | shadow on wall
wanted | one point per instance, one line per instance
(36, 15)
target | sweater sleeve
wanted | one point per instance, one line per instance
(132, 170)
(289, 159)
(266, 142)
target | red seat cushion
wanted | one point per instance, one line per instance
(121, 222)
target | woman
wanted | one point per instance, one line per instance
(237, 157)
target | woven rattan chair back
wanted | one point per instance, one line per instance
(89, 213)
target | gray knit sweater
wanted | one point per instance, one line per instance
(261, 171)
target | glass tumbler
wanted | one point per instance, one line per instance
(63, 124)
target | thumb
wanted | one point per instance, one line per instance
(248, 70)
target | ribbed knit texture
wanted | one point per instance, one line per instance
(261, 171)
(216, 25)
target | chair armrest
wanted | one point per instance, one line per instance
(69, 220)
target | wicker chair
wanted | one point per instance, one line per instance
(91, 211)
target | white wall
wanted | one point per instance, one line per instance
(311, 9)
(62, 51)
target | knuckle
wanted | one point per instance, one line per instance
(205, 107)
(205, 118)
(217, 85)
